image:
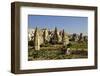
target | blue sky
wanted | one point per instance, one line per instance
(70, 24)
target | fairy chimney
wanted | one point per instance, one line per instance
(36, 40)
(55, 36)
(65, 39)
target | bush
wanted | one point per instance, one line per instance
(31, 43)
(69, 45)
(45, 45)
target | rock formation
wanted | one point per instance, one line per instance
(45, 35)
(36, 40)
(65, 39)
(55, 37)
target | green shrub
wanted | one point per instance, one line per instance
(31, 43)
(45, 45)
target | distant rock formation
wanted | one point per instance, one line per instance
(81, 37)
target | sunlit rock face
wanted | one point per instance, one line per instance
(36, 40)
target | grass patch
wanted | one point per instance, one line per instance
(54, 54)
